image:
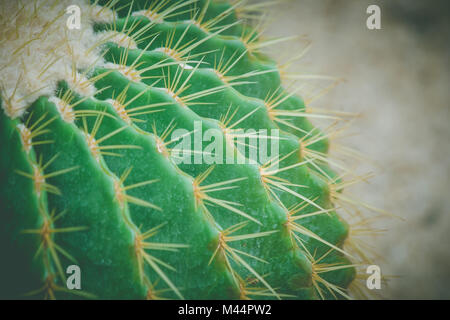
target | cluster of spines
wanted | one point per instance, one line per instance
(189, 85)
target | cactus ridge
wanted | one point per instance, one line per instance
(91, 174)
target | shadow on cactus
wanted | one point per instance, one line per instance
(153, 145)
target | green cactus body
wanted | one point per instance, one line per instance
(90, 173)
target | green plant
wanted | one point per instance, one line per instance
(90, 175)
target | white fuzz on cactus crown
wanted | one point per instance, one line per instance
(37, 49)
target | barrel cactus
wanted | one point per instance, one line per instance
(152, 145)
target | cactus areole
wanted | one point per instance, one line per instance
(150, 149)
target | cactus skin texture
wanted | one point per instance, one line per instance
(90, 178)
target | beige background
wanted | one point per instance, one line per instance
(398, 78)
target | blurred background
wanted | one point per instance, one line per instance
(398, 79)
